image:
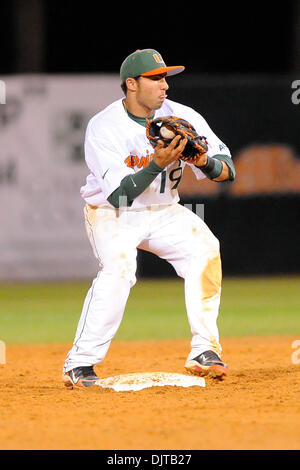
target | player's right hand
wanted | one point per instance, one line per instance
(163, 156)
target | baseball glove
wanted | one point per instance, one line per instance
(167, 127)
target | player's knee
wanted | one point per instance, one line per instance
(211, 277)
(209, 247)
(125, 265)
(213, 244)
(203, 240)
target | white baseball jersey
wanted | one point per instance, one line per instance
(117, 146)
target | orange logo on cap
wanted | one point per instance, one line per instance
(158, 59)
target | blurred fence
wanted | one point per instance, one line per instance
(42, 126)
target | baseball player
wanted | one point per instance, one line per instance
(131, 202)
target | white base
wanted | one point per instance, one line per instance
(138, 381)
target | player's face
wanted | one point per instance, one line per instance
(151, 91)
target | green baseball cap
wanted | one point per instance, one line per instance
(146, 62)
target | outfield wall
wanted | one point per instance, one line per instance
(42, 125)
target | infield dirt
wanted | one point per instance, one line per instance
(256, 407)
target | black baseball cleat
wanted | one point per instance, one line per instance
(209, 364)
(80, 377)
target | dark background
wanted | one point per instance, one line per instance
(89, 37)
(240, 63)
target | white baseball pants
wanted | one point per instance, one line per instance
(174, 233)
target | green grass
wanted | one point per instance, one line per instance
(48, 312)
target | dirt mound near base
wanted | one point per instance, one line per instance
(256, 407)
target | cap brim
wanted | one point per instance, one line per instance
(174, 70)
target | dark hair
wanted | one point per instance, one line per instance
(124, 86)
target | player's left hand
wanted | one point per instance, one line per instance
(201, 161)
(167, 127)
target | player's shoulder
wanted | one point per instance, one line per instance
(105, 117)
